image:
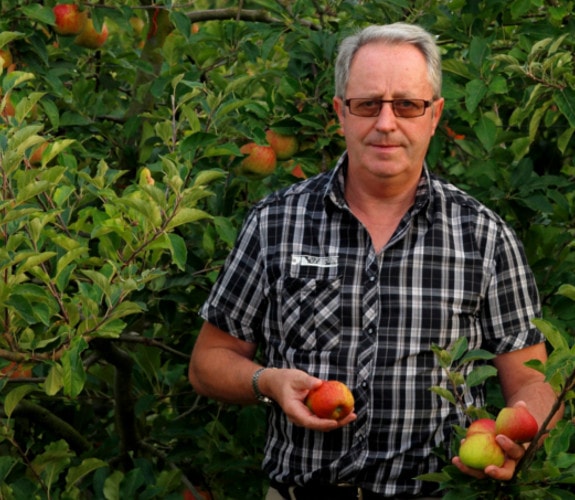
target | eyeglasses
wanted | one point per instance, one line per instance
(402, 108)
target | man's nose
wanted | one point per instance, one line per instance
(386, 118)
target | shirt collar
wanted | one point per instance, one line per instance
(335, 189)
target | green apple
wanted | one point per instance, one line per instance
(516, 423)
(480, 450)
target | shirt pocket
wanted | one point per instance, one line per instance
(310, 310)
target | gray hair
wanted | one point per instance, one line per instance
(392, 34)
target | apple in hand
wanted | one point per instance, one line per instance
(332, 399)
(480, 450)
(69, 20)
(516, 423)
(482, 425)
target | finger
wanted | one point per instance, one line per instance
(503, 473)
(512, 449)
(476, 473)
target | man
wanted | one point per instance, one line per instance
(353, 275)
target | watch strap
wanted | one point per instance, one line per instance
(259, 396)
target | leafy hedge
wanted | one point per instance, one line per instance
(110, 242)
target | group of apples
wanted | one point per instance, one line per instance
(261, 159)
(70, 21)
(480, 449)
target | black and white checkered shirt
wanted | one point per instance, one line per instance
(305, 282)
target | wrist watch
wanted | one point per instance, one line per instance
(259, 396)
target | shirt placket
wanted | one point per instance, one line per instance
(367, 352)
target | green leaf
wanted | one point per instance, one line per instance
(74, 376)
(477, 355)
(88, 465)
(459, 348)
(475, 91)
(52, 462)
(54, 381)
(9, 36)
(444, 393)
(486, 132)
(552, 334)
(567, 291)
(112, 486)
(15, 396)
(186, 216)
(565, 100)
(206, 177)
(178, 250)
(480, 374)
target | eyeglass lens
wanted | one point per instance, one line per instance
(404, 108)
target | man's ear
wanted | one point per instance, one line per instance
(339, 108)
(437, 110)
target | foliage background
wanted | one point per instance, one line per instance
(103, 272)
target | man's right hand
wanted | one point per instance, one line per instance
(289, 388)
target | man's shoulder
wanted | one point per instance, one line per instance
(451, 194)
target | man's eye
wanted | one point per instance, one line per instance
(368, 104)
(405, 104)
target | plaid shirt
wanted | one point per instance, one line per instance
(305, 282)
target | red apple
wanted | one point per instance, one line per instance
(332, 399)
(516, 423)
(260, 160)
(69, 20)
(36, 156)
(90, 38)
(285, 146)
(5, 58)
(9, 110)
(483, 425)
(480, 450)
(16, 370)
(204, 495)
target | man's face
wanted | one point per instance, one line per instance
(387, 147)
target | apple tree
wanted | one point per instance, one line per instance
(124, 184)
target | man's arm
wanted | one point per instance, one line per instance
(222, 367)
(520, 385)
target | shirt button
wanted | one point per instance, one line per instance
(372, 278)
(364, 384)
(370, 330)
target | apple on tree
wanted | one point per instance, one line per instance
(36, 155)
(90, 38)
(284, 146)
(69, 20)
(332, 399)
(5, 58)
(260, 161)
